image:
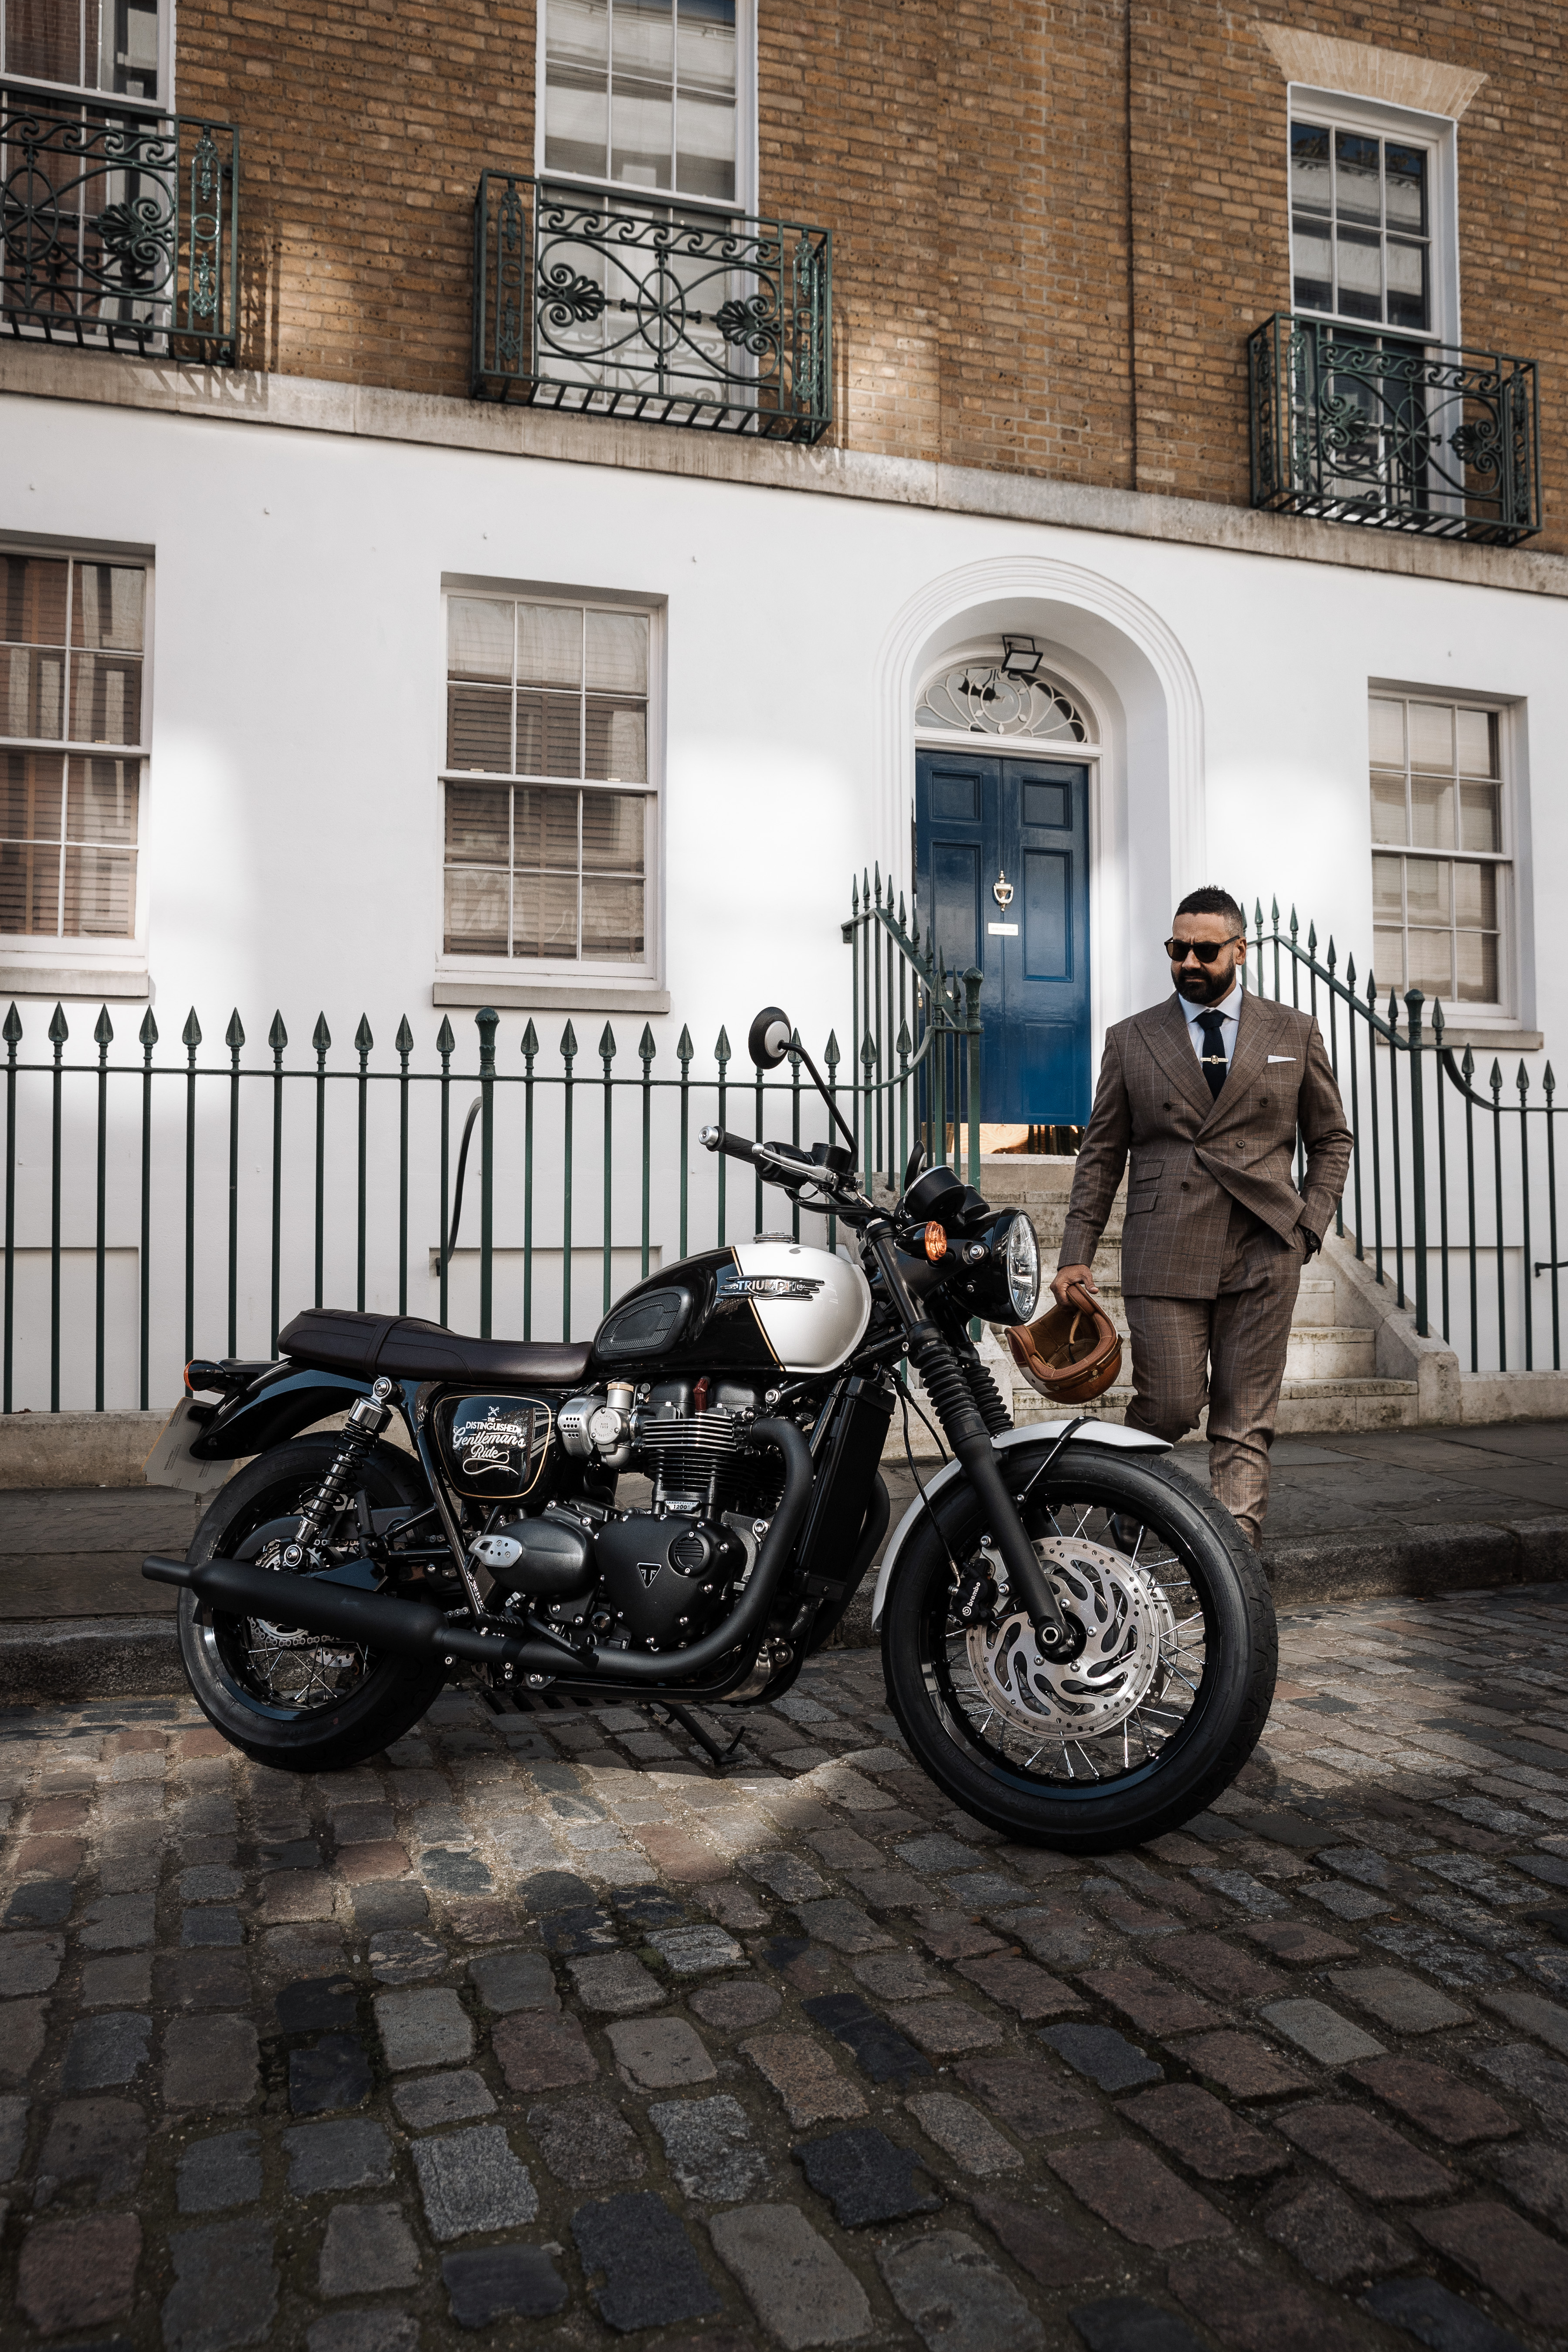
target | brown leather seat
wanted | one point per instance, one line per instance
(336, 1339)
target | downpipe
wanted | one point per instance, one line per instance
(414, 1629)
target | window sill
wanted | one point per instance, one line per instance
(1484, 1037)
(99, 982)
(551, 995)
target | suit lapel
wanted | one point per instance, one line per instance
(1255, 1029)
(1165, 1032)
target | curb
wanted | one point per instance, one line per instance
(55, 1659)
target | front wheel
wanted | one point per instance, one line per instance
(1170, 1682)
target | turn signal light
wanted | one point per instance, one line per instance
(936, 1242)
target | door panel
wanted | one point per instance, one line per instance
(979, 821)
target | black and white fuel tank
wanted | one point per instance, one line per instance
(765, 1306)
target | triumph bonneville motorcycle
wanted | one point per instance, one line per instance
(1079, 1646)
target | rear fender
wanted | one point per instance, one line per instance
(1093, 1433)
(286, 1399)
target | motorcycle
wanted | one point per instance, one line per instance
(1079, 1646)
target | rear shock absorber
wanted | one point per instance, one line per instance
(362, 1426)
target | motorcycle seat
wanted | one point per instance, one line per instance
(404, 1346)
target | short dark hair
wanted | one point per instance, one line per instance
(1210, 900)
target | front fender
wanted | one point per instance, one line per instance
(286, 1399)
(1092, 1432)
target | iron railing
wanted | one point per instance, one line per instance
(1352, 425)
(1451, 1189)
(118, 229)
(652, 310)
(915, 1033)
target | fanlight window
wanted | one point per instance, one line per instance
(981, 697)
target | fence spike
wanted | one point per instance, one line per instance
(1295, 927)
(1333, 953)
(1349, 976)
(1522, 1083)
(13, 1030)
(363, 1040)
(830, 1052)
(148, 1032)
(646, 1048)
(1495, 1081)
(568, 1043)
(530, 1042)
(1393, 1009)
(721, 1049)
(854, 899)
(684, 1049)
(59, 1027)
(1437, 1022)
(879, 874)
(607, 1046)
(1467, 1067)
(321, 1036)
(234, 1036)
(277, 1036)
(902, 923)
(191, 1035)
(1371, 991)
(796, 1052)
(1274, 916)
(444, 1041)
(103, 1028)
(904, 1043)
(1311, 938)
(403, 1041)
(1547, 1083)
(868, 1054)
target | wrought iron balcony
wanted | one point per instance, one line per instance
(617, 308)
(1355, 425)
(118, 229)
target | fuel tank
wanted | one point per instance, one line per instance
(765, 1306)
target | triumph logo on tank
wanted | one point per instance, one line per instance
(768, 1285)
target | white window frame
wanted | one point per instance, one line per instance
(1464, 1013)
(74, 962)
(163, 104)
(548, 978)
(1438, 134)
(744, 199)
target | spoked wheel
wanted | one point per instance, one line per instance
(1171, 1675)
(302, 1701)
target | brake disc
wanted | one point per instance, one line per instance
(1129, 1633)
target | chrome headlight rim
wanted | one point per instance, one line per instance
(1019, 1249)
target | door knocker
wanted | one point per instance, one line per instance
(1001, 889)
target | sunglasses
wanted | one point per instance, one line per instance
(1206, 951)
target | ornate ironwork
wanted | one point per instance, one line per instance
(652, 310)
(978, 699)
(1355, 425)
(117, 228)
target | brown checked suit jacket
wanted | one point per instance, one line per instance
(1193, 1154)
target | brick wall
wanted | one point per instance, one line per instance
(985, 170)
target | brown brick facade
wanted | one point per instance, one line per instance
(983, 169)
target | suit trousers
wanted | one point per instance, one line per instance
(1227, 1352)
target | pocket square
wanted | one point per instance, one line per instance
(1281, 1057)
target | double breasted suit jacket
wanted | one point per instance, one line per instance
(1192, 1152)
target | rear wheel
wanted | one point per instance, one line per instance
(1171, 1676)
(300, 1701)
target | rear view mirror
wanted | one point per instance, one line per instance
(770, 1037)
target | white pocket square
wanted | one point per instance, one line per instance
(1281, 1057)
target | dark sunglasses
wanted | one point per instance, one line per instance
(1206, 951)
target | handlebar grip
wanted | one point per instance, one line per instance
(720, 1139)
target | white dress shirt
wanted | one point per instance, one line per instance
(1229, 1009)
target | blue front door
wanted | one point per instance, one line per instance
(1001, 864)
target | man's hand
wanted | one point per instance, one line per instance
(1071, 1278)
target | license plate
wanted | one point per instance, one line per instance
(171, 1463)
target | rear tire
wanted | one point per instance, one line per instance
(360, 1708)
(962, 1718)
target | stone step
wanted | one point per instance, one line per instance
(1331, 1351)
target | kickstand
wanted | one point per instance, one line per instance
(717, 1755)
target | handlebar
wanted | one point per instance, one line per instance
(785, 1164)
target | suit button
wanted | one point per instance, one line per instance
(1169, 1106)
(1183, 1185)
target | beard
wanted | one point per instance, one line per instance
(1202, 987)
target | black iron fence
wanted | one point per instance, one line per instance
(118, 228)
(1354, 426)
(915, 1033)
(634, 308)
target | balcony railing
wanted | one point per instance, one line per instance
(117, 230)
(653, 311)
(1352, 425)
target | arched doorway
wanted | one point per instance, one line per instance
(1004, 755)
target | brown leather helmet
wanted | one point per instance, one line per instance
(1071, 1355)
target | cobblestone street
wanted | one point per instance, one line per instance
(539, 2019)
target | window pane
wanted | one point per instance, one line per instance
(1478, 968)
(1388, 959)
(106, 698)
(479, 728)
(106, 612)
(1405, 187)
(1475, 895)
(102, 806)
(617, 653)
(544, 920)
(705, 114)
(43, 37)
(1312, 266)
(1358, 188)
(1361, 273)
(1431, 812)
(100, 894)
(1431, 963)
(545, 828)
(548, 735)
(617, 747)
(1427, 886)
(1387, 807)
(576, 100)
(549, 644)
(1310, 166)
(1481, 820)
(476, 913)
(644, 39)
(612, 832)
(1432, 736)
(1386, 727)
(35, 611)
(477, 822)
(30, 796)
(1406, 285)
(1478, 731)
(613, 921)
(1387, 898)
(34, 685)
(478, 639)
(30, 888)
(640, 133)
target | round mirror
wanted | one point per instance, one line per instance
(768, 1041)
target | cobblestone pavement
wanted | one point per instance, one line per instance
(534, 2017)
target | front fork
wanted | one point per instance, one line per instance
(932, 1357)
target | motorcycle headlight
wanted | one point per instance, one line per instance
(1021, 1259)
(1002, 1263)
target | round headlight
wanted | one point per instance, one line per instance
(1022, 1259)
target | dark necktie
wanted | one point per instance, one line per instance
(1212, 1026)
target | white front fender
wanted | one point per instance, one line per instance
(1091, 1433)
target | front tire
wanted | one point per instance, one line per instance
(1171, 1687)
(305, 1702)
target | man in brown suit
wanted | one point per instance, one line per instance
(1208, 1092)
